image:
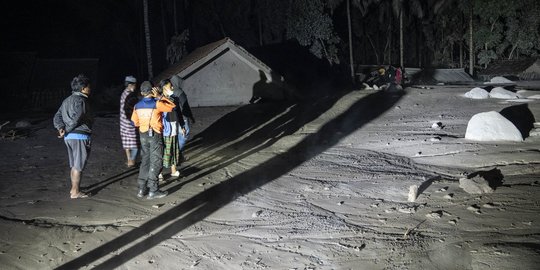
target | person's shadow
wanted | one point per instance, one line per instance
(260, 89)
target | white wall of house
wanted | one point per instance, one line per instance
(226, 81)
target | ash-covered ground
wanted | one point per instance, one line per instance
(322, 184)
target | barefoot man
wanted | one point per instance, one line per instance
(74, 123)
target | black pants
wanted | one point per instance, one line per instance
(151, 161)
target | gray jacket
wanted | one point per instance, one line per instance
(74, 115)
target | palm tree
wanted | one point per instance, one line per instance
(362, 5)
(466, 6)
(471, 45)
(351, 60)
(147, 36)
(423, 10)
(413, 7)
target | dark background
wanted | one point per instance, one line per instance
(112, 31)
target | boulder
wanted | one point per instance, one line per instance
(475, 185)
(501, 93)
(492, 126)
(500, 79)
(477, 93)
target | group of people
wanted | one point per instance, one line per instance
(385, 79)
(156, 124)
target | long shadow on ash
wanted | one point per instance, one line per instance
(250, 117)
(95, 188)
(207, 202)
(234, 125)
(280, 120)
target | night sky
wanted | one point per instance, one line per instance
(107, 30)
(435, 32)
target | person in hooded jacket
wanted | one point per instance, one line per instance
(184, 109)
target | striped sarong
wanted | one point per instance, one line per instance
(128, 132)
(171, 153)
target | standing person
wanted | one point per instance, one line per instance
(173, 127)
(394, 79)
(147, 116)
(73, 120)
(128, 132)
(185, 110)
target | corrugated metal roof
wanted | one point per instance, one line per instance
(189, 60)
(508, 67)
(452, 75)
(445, 75)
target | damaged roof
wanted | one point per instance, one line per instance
(445, 75)
(522, 68)
(205, 54)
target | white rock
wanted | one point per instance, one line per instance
(407, 210)
(435, 214)
(477, 93)
(437, 125)
(534, 97)
(257, 214)
(475, 185)
(492, 126)
(489, 205)
(474, 208)
(500, 79)
(501, 93)
(534, 133)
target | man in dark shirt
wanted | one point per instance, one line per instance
(73, 121)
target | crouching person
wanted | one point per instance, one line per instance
(147, 116)
(73, 121)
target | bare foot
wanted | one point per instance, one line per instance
(79, 195)
(130, 163)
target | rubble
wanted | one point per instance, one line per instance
(475, 185)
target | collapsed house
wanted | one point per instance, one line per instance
(224, 74)
(527, 69)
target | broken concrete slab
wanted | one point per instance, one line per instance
(475, 185)
(482, 181)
